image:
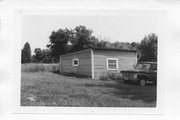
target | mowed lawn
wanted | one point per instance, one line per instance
(50, 89)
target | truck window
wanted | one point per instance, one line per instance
(153, 67)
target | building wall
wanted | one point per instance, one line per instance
(84, 66)
(126, 60)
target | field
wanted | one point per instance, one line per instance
(51, 89)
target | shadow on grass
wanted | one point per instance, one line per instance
(71, 74)
(130, 91)
(56, 72)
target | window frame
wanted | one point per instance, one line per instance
(75, 59)
(117, 65)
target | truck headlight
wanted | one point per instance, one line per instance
(135, 75)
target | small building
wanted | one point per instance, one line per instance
(96, 62)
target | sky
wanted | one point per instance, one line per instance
(122, 28)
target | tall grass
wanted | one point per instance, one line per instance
(32, 67)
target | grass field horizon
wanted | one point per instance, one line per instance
(45, 88)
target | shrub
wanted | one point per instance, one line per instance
(114, 76)
(104, 78)
(110, 76)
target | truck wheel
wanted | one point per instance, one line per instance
(142, 82)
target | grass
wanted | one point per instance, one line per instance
(33, 67)
(50, 89)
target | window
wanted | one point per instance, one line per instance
(153, 67)
(143, 66)
(112, 64)
(75, 62)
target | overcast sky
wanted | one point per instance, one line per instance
(125, 28)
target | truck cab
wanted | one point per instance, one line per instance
(143, 73)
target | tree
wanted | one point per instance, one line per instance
(38, 57)
(70, 40)
(26, 53)
(121, 45)
(82, 38)
(134, 44)
(116, 45)
(47, 56)
(102, 44)
(42, 56)
(59, 40)
(148, 48)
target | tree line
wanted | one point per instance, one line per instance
(66, 40)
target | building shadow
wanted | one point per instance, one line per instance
(72, 74)
(129, 91)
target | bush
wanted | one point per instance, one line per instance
(114, 76)
(104, 78)
(39, 67)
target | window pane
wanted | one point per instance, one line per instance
(75, 62)
(153, 67)
(146, 66)
(112, 61)
(112, 66)
(143, 66)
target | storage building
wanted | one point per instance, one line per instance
(96, 62)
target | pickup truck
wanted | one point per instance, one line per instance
(143, 73)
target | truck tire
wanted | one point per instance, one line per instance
(142, 82)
